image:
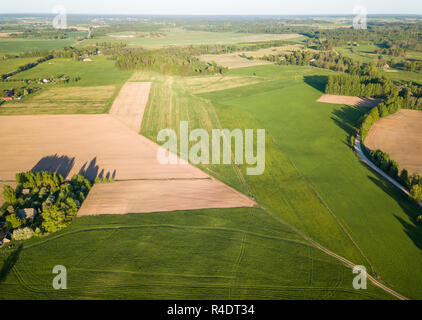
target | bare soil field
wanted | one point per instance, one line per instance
(130, 104)
(100, 145)
(81, 143)
(349, 100)
(400, 135)
(161, 195)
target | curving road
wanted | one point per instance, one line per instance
(364, 158)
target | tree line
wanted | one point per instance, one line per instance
(172, 61)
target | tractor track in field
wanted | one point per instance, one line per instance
(343, 260)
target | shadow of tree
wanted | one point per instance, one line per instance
(91, 171)
(317, 81)
(58, 164)
(9, 263)
(65, 164)
(347, 118)
(413, 231)
(411, 209)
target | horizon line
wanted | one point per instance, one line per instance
(217, 14)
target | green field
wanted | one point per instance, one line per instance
(363, 53)
(183, 37)
(313, 180)
(314, 137)
(22, 45)
(12, 64)
(100, 72)
(313, 187)
(203, 254)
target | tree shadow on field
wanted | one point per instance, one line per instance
(347, 118)
(64, 165)
(92, 170)
(412, 210)
(9, 263)
(413, 231)
(318, 82)
(59, 164)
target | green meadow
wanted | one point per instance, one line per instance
(13, 64)
(101, 71)
(376, 217)
(22, 45)
(313, 188)
(202, 254)
(313, 181)
(182, 37)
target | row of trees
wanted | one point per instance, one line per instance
(391, 167)
(361, 86)
(382, 110)
(26, 66)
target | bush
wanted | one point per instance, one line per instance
(22, 234)
(13, 221)
(9, 195)
(416, 193)
(393, 171)
(352, 141)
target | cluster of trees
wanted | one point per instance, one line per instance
(173, 61)
(361, 86)
(56, 201)
(19, 91)
(413, 65)
(75, 53)
(400, 34)
(392, 51)
(391, 167)
(382, 110)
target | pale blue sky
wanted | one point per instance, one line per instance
(210, 7)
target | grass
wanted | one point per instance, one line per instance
(183, 37)
(22, 45)
(313, 136)
(99, 84)
(101, 71)
(12, 64)
(203, 254)
(362, 53)
(405, 75)
(65, 100)
(313, 182)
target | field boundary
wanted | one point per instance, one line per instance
(365, 159)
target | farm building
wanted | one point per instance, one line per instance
(28, 213)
